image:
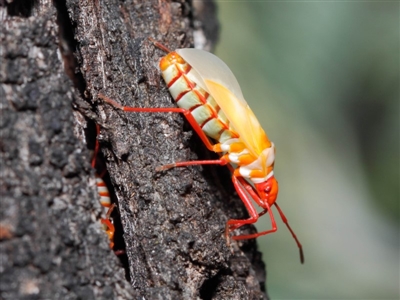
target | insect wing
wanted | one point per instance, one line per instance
(212, 74)
(241, 117)
(209, 66)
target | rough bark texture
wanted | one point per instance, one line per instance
(52, 246)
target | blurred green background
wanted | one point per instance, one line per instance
(323, 79)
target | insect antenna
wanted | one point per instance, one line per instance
(292, 232)
(159, 45)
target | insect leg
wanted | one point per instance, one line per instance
(254, 195)
(196, 127)
(109, 226)
(250, 190)
(234, 224)
(223, 161)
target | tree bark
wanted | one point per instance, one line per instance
(52, 246)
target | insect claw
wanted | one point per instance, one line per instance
(164, 167)
(227, 235)
(110, 101)
(119, 252)
(159, 168)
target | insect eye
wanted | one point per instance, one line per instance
(267, 189)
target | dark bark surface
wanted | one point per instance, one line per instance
(52, 246)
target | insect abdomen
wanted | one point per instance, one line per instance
(190, 96)
(104, 194)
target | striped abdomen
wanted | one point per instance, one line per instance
(188, 95)
(105, 201)
(104, 194)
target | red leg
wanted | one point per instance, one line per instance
(102, 174)
(231, 228)
(222, 162)
(196, 127)
(254, 195)
(255, 235)
(234, 223)
(249, 188)
(110, 229)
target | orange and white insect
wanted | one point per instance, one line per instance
(210, 98)
(105, 199)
